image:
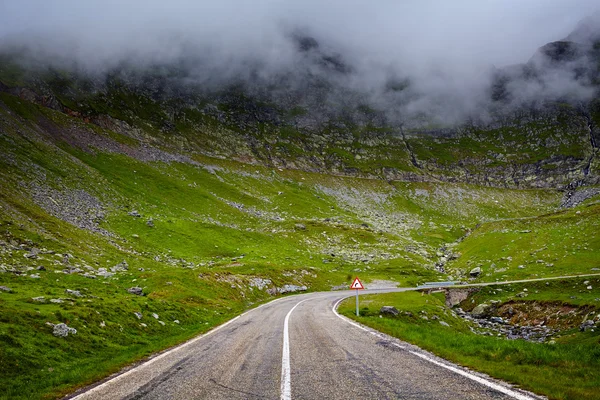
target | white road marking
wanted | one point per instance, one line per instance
(286, 380)
(166, 353)
(475, 378)
(485, 382)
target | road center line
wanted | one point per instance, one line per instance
(485, 382)
(286, 381)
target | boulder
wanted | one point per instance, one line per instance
(75, 293)
(62, 330)
(389, 310)
(481, 311)
(138, 291)
(589, 324)
(475, 272)
(5, 289)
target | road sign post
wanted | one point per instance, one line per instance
(357, 284)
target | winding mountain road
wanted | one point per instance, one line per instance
(299, 348)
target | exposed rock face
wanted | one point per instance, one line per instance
(456, 296)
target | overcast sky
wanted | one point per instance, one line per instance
(444, 46)
(495, 32)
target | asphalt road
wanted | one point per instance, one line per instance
(298, 348)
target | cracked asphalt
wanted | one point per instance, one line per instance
(330, 358)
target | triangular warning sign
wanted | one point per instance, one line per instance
(357, 284)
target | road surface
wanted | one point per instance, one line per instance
(298, 348)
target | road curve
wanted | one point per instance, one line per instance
(298, 348)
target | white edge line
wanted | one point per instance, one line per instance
(286, 379)
(466, 374)
(166, 353)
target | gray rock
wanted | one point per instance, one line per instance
(56, 301)
(444, 323)
(150, 223)
(120, 267)
(587, 325)
(62, 330)
(138, 315)
(134, 213)
(104, 273)
(136, 290)
(155, 315)
(40, 299)
(5, 289)
(389, 310)
(475, 272)
(75, 293)
(481, 310)
(292, 289)
(300, 227)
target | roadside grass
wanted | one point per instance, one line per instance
(568, 369)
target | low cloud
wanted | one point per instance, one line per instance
(411, 58)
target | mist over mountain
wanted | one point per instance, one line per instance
(417, 62)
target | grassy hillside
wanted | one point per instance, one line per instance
(556, 244)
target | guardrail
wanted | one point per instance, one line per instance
(430, 285)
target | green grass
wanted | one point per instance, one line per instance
(556, 244)
(567, 369)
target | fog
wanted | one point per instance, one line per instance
(446, 51)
